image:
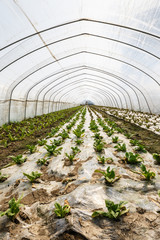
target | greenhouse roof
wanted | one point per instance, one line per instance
(71, 51)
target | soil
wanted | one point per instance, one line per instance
(149, 139)
(71, 235)
(40, 195)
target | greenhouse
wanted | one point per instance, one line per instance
(80, 120)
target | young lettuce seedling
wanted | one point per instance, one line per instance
(110, 133)
(140, 148)
(132, 158)
(62, 211)
(64, 134)
(78, 141)
(98, 145)
(114, 210)
(3, 177)
(31, 148)
(101, 159)
(156, 156)
(56, 142)
(42, 161)
(134, 142)
(97, 136)
(42, 142)
(78, 132)
(70, 157)
(147, 174)
(115, 139)
(121, 147)
(75, 150)
(18, 159)
(13, 209)
(110, 176)
(93, 126)
(33, 176)
(52, 149)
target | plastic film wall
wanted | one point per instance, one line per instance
(58, 54)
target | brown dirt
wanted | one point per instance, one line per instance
(49, 177)
(71, 235)
(18, 147)
(148, 138)
(39, 195)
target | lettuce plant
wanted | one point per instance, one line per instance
(78, 141)
(61, 211)
(134, 142)
(121, 147)
(93, 126)
(110, 133)
(56, 142)
(3, 177)
(101, 159)
(42, 161)
(31, 148)
(53, 132)
(110, 176)
(53, 150)
(140, 148)
(147, 174)
(42, 142)
(132, 158)
(78, 132)
(156, 156)
(75, 150)
(64, 134)
(115, 139)
(33, 176)
(97, 136)
(70, 157)
(98, 145)
(14, 207)
(18, 159)
(114, 210)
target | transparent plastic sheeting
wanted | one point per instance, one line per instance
(57, 54)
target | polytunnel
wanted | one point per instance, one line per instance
(79, 119)
(47, 46)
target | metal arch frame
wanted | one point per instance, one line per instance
(80, 20)
(101, 77)
(114, 101)
(95, 81)
(101, 71)
(110, 94)
(84, 68)
(71, 84)
(70, 56)
(79, 35)
(77, 54)
(97, 93)
(78, 81)
(93, 90)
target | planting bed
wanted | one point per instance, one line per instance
(145, 120)
(15, 136)
(73, 182)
